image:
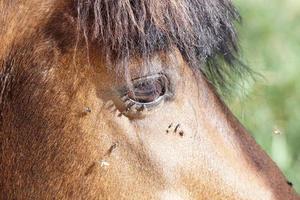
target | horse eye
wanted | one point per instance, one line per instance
(146, 93)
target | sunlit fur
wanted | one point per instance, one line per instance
(56, 127)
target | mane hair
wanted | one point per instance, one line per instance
(203, 31)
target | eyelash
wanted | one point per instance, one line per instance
(130, 104)
(137, 106)
(158, 81)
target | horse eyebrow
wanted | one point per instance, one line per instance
(202, 30)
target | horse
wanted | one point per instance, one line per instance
(122, 99)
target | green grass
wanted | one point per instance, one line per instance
(270, 107)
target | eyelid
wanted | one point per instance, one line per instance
(146, 105)
(133, 107)
(124, 89)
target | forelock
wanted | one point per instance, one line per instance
(203, 31)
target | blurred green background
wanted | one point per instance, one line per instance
(270, 106)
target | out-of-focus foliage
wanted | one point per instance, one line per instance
(270, 107)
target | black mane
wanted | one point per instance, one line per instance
(203, 30)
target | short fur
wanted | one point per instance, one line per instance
(54, 124)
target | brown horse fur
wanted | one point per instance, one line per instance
(48, 149)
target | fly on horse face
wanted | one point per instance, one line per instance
(121, 99)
